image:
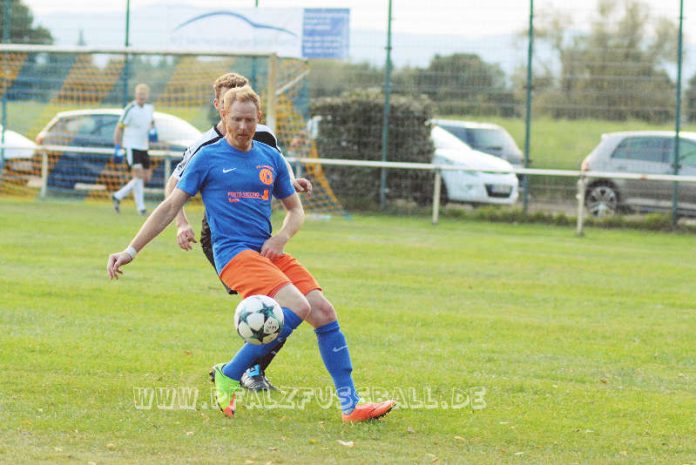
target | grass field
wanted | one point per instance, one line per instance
(584, 346)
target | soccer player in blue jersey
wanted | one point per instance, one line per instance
(255, 377)
(237, 178)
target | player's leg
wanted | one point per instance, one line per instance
(119, 195)
(254, 378)
(142, 161)
(251, 274)
(332, 343)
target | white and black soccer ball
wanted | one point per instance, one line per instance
(258, 319)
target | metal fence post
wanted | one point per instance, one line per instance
(272, 85)
(6, 26)
(387, 111)
(44, 174)
(580, 196)
(528, 108)
(677, 116)
(436, 196)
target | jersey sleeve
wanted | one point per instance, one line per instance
(282, 187)
(178, 171)
(125, 116)
(194, 178)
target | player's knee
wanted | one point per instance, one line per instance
(301, 308)
(323, 313)
(291, 298)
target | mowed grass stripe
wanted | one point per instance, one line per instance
(584, 345)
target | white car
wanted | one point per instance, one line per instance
(486, 137)
(485, 178)
(18, 152)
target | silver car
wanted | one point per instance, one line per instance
(642, 152)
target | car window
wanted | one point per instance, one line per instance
(105, 128)
(82, 125)
(491, 139)
(459, 131)
(650, 149)
(687, 152)
(443, 139)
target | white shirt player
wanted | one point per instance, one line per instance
(137, 121)
(263, 134)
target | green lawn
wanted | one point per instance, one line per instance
(584, 346)
(563, 144)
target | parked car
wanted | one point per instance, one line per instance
(491, 179)
(485, 137)
(19, 151)
(95, 128)
(645, 152)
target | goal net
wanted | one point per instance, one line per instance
(71, 97)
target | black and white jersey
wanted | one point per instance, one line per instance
(263, 134)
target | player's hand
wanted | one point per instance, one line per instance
(273, 247)
(185, 236)
(116, 260)
(303, 185)
(118, 154)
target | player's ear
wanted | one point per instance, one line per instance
(259, 115)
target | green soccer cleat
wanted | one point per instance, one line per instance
(225, 390)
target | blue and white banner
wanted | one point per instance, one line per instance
(294, 32)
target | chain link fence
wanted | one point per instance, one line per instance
(538, 84)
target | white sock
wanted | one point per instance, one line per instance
(139, 194)
(125, 189)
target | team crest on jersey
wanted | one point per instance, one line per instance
(266, 176)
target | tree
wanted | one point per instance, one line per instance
(461, 83)
(616, 70)
(22, 29)
(331, 78)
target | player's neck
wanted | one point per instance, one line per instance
(221, 128)
(237, 145)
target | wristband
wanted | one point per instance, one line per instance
(130, 250)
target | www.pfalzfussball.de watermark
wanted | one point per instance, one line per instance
(299, 398)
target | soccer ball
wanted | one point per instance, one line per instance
(258, 319)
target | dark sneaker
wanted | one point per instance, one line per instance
(117, 203)
(255, 380)
(142, 212)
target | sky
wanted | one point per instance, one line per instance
(492, 29)
(462, 17)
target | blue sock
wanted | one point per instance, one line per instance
(249, 353)
(334, 352)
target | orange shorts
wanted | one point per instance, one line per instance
(249, 273)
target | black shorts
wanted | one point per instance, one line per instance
(138, 157)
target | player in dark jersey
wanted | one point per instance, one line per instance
(255, 378)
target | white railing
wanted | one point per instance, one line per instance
(437, 169)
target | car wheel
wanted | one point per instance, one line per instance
(602, 200)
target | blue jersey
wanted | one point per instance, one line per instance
(236, 188)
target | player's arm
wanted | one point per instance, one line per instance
(118, 134)
(155, 224)
(185, 236)
(294, 217)
(300, 184)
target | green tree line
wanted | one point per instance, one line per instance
(614, 69)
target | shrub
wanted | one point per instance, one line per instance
(351, 128)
